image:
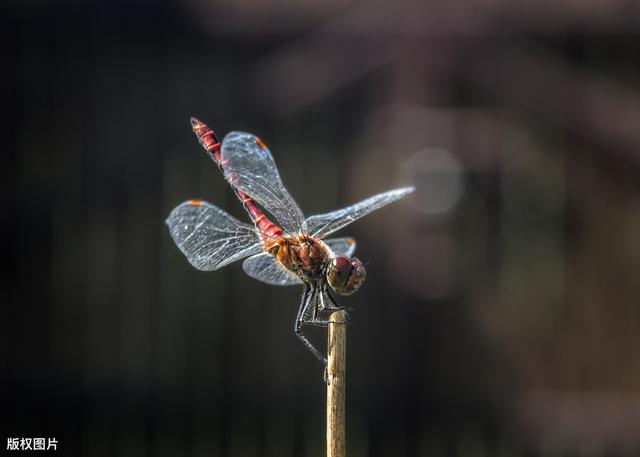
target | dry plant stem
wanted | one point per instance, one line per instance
(336, 383)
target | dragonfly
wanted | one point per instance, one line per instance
(289, 249)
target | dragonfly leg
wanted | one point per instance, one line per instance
(332, 305)
(328, 306)
(307, 298)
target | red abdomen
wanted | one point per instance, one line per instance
(207, 137)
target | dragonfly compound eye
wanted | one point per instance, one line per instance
(345, 275)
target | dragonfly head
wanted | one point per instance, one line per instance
(345, 274)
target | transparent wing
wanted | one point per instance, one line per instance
(249, 166)
(266, 268)
(342, 247)
(322, 225)
(210, 237)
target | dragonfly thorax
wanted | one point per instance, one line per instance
(306, 256)
(312, 260)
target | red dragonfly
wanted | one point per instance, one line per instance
(290, 251)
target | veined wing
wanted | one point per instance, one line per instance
(322, 225)
(266, 268)
(210, 237)
(249, 167)
(342, 247)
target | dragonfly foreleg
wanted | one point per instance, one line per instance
(327, 306)
(307, 300)
(331, 303)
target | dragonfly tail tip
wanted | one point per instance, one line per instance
(195, 123)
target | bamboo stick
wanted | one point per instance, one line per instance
(336, 367)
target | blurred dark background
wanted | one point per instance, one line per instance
(501, 315)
